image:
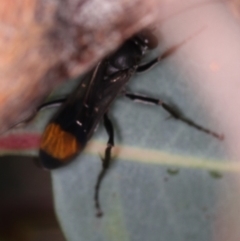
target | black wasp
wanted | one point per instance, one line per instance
(74, 123)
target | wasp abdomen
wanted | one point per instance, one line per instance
(57, 146)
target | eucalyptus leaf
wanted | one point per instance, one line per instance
(139, 197)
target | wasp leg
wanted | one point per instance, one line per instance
(165, 54)
(50, 104)
(174, 112)
(144, 67)
(105, 162)
(152, 63)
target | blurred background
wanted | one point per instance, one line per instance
(26, 202)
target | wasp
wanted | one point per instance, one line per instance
(73, 125)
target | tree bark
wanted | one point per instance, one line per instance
(43, 43)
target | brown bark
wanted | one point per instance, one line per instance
(45, 42)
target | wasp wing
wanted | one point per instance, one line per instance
(90, 101)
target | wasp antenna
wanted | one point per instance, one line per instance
(174, 48)
(186, 9)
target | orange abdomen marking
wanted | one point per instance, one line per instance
(58, 143)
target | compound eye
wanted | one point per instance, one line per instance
(150, 40)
